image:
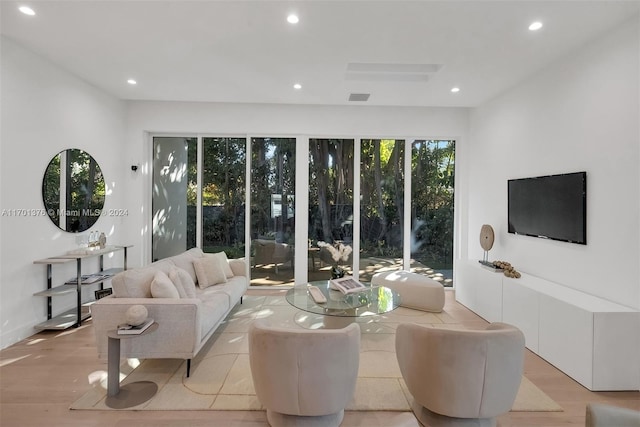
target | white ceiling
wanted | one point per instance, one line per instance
(245, 51)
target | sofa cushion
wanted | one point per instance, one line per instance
(183, 282)
(234, 289)
(209, 271)
(163, 287)
(185, 261)
(136, 283)
(224, 263)
(238, 266)
(214, 307)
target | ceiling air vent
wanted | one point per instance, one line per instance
(381, 72)
(361, 97)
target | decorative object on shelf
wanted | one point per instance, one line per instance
(339, 252)
(93, 239)
(101, 293)
(487, 237)
(336, 272)
(136, 315)
(507, 268)
(102, 240)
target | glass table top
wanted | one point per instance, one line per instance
(371, 301)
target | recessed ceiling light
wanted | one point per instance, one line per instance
(297, 86)
(455, 89)
(27, 10)
(132, 82)
(293, 18)
(535, 26)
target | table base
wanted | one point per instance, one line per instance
(132, 394)
(336, 322)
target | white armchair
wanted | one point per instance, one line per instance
(460, 377)
(304, 377)
(603, 415)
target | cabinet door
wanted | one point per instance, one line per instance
(566, 338)
(520, 309)
(488, 294)
(465, 291)
(480, 290)
(616, 352)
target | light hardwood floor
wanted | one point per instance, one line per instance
(42, 375)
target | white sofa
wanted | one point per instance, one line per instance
(184, 324)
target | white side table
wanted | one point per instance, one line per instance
(131, 394)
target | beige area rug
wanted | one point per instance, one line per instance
(221, 377)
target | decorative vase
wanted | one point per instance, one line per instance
(102, 240)
(336, 272)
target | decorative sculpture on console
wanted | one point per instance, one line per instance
(487, 238)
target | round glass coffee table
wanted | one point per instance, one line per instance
(340, 309)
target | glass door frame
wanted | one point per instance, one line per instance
(302, 193)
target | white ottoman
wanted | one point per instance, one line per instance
(416, 291)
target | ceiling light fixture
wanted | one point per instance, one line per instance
(293, 18)
(297, 86)
(535, 26)
(455, 89)
(132, 82)
(27, 10)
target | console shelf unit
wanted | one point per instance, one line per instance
(75, 316)
(593, 340)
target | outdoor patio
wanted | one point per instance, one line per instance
(265, 275)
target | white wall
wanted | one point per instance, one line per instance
(301, 121)
(46, 110)
(581, 113)
(170, 197)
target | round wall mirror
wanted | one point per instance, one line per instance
(73, 190)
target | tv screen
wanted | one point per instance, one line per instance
(551, 207)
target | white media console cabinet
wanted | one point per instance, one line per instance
(594, 341)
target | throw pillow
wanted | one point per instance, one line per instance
(209, 271)
(163, 287)
(224, 263)
(183, 282)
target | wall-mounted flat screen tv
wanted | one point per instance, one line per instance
(551, 207)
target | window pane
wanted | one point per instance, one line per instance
(273, 176)
(381, 206)
(330, 205)
(174, 215)
(432, 181)
(223, 195)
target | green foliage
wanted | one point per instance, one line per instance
(273, 168)
(432, 197)
(330, 194)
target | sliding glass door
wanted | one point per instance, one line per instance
(330, 236)
(273, 189)
(381, 206)
(223, 195)
(175, 194)
(432, 208)
(367, 201)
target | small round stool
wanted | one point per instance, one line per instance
(416, 291)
